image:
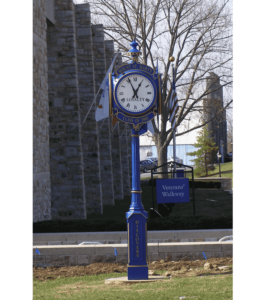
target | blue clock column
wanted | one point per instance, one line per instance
(136, 221)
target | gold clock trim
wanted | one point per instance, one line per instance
(136, 192)
(126, 112)
(154, 75)
(134, 266)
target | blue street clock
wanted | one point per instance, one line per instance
(135, 92)
(135, 98)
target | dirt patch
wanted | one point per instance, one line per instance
(182, 268)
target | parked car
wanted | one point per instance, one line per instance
(147, 164)
(178, 160)
(229, 157)
(153, 159)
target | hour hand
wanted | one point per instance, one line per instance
(136, 91)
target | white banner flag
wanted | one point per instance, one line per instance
(102, 110)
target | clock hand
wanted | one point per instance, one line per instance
(129, 80)
(135, 92)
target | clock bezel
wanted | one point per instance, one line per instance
(127, 111)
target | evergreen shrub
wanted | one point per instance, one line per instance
(166, 223)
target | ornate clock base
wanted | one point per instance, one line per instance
(137, 272)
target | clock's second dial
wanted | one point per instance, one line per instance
(135, 93)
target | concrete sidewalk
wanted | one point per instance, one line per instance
(120, 237)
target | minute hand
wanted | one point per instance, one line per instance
(135, 92)
(132, 88)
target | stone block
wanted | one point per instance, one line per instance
(70, 260)
(98, 258)
(69, 243)
(58, 102)
(189, 247)
(43, 265)
(110, 258)
(82, 259)
(228, 254)
(152, 247)
(166, 234)
(227, 246)
(175, 256)
(122, 258)
(185, 240)
(40, 243)
(215, 254)
(55, 243)
(152, 256)
(82, 31)
(66, 250)
(103, 249)
(48, 258)
(70, 151)
(39, 258)
(57, 258)
(197, 255)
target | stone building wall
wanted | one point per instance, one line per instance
(100, 68)
(66, 154)
(87, 92)
(41, 168)
(212, 104)
(78, 166)
(125, 158)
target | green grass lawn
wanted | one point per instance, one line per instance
(212, 287)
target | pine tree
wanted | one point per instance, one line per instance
(204, 155)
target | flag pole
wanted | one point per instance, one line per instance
(174, 129)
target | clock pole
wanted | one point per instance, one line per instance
(136, 220)
(136, 216)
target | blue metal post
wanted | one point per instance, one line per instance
(136, 221)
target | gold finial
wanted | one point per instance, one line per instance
(172, 58)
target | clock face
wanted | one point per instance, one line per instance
(135, 93)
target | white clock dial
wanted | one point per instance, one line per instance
(135, 93)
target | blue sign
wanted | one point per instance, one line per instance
(172, 190)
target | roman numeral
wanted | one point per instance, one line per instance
(147, 99)
(149, 93)
(147, 85)
(142, 105)
(128, 105)
(135, 78)
(122, 86)
(122, 93)
(122, 100)
(135, 107)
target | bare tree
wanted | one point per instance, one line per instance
(197, 33)
(229, 119)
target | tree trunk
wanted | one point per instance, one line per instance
(162, 154)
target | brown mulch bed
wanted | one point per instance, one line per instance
(182, 268)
